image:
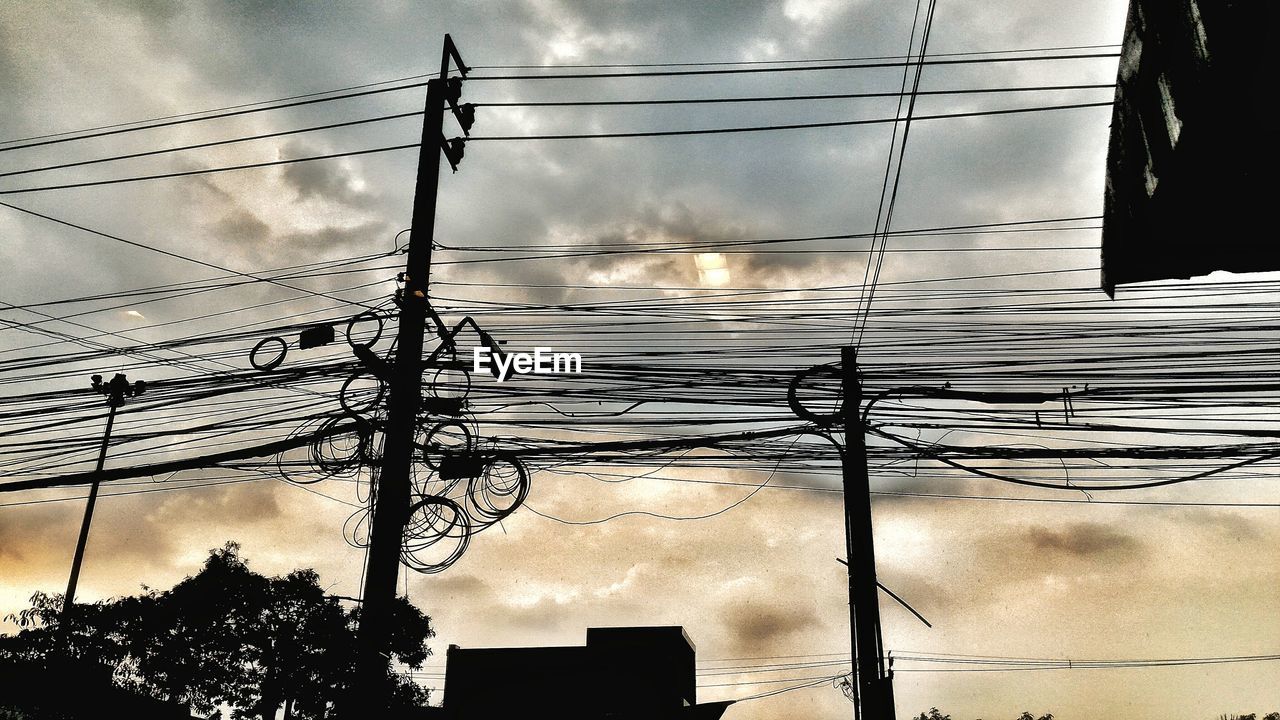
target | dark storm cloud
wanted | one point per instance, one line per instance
(795, 271)
(245, 233)
(995, 169)
(459, 584)
(758, 627)
(13, 73)
(153, 10)
(679, 224)
(716, 22)
(255, 46)
(332, 182)
(205, 188)
(1084, 540)
(254, 504)
(986, 558)
(656, 269)
(747, 29)
(242, 227)
(362, 238)
(1230, 525)
(925, 594)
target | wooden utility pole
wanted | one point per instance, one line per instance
(874, 700)
(394, 485)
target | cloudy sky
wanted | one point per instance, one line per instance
(1005, 579)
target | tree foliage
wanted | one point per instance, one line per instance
(935, 714)
(226, 635)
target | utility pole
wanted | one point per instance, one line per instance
(116, 390)
(874, 700)
(394, 486)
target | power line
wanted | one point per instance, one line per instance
(117, 129)
(575, 103)
(892, 189)
(786, 62)
(207, 171)
(574, 136)
(795, 68)
(786, 98)
(313, 97)
(212, 143)
(178, 256)
(790, 126)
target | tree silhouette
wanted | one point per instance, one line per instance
(224, 635)
(935, 714)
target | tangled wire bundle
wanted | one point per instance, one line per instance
(458, 487)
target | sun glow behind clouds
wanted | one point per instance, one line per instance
(712, 269)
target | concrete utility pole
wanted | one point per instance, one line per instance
(394, 486)
(116, 390)
(874, 699)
